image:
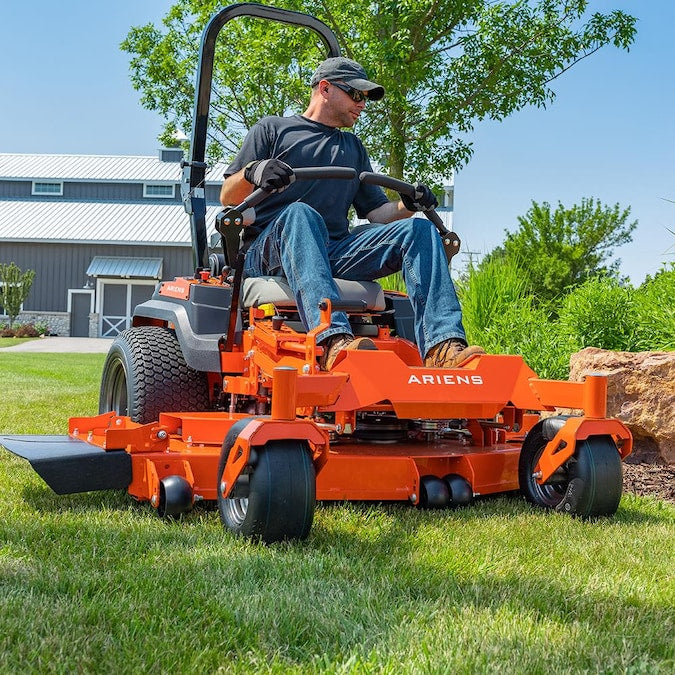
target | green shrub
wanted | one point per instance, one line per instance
(394, 282)
(530, 332)
(501, 316)
(489, 292)
(655, 307)
(600, 313)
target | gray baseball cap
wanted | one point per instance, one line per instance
(338, 68)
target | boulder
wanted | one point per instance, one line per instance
(640, 392)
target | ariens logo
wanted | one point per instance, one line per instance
(174, 289)
(446, 379)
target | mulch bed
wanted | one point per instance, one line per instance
(649, 478)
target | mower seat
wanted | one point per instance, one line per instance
(258, 291)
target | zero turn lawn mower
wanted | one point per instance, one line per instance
(214, 393)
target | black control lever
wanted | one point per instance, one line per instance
(451, 242)
(233, 215)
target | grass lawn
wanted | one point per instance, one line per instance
(98, 583)
(10, 342)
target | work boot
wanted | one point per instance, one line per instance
(336, 343)
(450, 353)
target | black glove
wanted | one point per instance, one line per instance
(272, 175)
(424, 199)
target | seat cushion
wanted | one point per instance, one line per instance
(261, 290)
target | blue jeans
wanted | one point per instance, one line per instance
(296, 246)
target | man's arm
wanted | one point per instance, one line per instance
(235, 189)
(389, 212)
(423, 200)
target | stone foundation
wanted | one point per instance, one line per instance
(58, 323)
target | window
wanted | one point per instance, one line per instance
(162, 191)
(44, 188)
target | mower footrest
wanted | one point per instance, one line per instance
(69, 465)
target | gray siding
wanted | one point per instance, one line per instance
(109, 192)
(59, 267)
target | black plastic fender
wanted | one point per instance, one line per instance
(199, 322)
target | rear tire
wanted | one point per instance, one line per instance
(589, 484)
(145, 374)
(275, 501)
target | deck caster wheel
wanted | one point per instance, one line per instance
(275, 500)
(434, 493)
(175, 497)
(588, 484)
(461, 492)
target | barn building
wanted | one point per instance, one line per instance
(99, 231)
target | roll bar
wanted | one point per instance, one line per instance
(194, 170)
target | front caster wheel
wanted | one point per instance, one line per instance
(275, 501)
(589, 484)
(175, 497)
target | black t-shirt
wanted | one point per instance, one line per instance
(301, 142)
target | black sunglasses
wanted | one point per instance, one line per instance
(355, 94)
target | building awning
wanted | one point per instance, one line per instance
(125, 268)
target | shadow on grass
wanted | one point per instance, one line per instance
(631, 510)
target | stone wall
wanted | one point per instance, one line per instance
(58, 323)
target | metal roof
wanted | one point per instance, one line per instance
(96, 168)
(125, 268)
(100, 222)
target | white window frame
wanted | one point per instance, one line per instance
(159, 185)
(38, 193)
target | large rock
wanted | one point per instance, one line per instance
(640, 392)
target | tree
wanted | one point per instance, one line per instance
(446, 65)
(14, 289)
(559, 249)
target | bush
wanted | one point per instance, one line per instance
(528, 331)
(501, 316)
(655, 307)
(41, 327)
(489, 292)
(600, 313)
(26, 330)
(394, 282)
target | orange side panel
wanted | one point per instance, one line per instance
(199, 467)
(367, 478)
(371, 472)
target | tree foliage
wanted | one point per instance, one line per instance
(446, 65)
(560, 249)
(15, 286)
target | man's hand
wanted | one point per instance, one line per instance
(424, 199)
(272, 175)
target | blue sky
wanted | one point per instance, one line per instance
(610, 134)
